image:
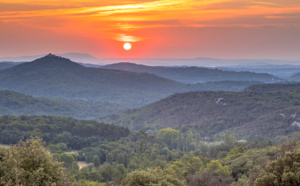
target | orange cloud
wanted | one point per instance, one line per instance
(127, 38)
(185, 11)
(135, 20)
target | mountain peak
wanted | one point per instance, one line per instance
(50, 55)
(52, 59)
(49, 63)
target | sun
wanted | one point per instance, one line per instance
(127, 46)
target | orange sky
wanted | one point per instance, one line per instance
(156, 28)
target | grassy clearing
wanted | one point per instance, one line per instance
(82, 164)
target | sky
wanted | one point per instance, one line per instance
(227, 29)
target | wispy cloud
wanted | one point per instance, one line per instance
(121, 17)
(159, 10)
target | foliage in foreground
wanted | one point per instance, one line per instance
(283, 171)
(172, 157)
(28, 163)
(151, 177)
(76, 134)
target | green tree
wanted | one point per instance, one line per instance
(126, 160)
(168, 136)
(95, 175)
(214, 174)
(219, 168)
(75, 168)
(120, 158)
(142, 146)
(28, 163)
(109, 158)
(229, 141)
(198, 139)
(193, 165)
(180, 141)
(236, 150)
(189, 140)
(119, 173)
(96, 161)
(151, 177)
(53, 148)
(66, 159)
(282, 171)
(107, 172)
(187, 166)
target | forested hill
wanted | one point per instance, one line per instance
(295, 77)
(268, 88)
(53, 76)
(14, 103)
(5, 65)
(244, 114)
(76, 134)
(195, 74)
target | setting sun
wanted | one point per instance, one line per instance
(127, 46)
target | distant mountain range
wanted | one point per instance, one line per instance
(280, 68)
(282, 71)
(244, 114)
(77, 57)
(54, 77)
(57, 77)
(199, 61)
(195, 74)
(14, 103)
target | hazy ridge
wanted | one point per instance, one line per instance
(244, 114)
(195, 74)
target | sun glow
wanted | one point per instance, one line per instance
(154, 28)
(127, 46)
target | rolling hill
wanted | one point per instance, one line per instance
(235, 86)
(283, 70)
(244, 114)
(56, 77)
(268, 88)
(195, 74)
(76, 134)
(5, 65)
(14, 103)
(295, 77)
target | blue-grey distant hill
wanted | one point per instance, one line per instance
(282, 71)
(295, 77)
(56, 77)
(5, 65)
(195, 74)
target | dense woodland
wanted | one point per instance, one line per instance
(171, 157)
(15, 103)
(76, 134)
